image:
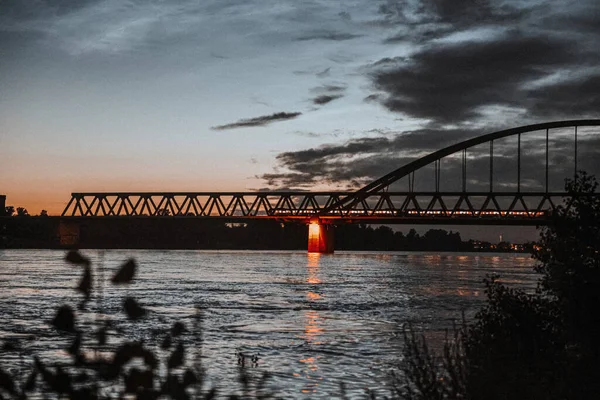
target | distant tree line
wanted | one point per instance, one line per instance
(9, 211)
(212, 234)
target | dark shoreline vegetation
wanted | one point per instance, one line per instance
(22, 232)
(520, 345)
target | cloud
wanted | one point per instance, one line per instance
(323, 73)
(328, 35)
(325, 98)
(455, 82)
(466, 13)
(327, 93)
(426, 20)
(579, 96)
(357, 162)
(258, 121)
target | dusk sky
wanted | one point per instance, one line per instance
(223, 95)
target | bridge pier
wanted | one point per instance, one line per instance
(68, 233)
(320, 238)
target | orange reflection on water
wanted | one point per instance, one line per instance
(312, 267)
(312, 329)
(313, 296)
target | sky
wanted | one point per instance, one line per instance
(232, 95)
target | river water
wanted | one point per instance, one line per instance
(312, 320)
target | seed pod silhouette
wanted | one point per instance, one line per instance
(177, 329)
(176, 358)
(166, 343)
(75, 257)
(30, 382)
(73, 349)
(133, 309)
(211, 394)
(150, 359)
(6, 382)
(62, 382)
(64, 319)
(126, 273)
(189, 378)
(101, 336)
(85, 285)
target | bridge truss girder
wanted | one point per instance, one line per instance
(303, 206)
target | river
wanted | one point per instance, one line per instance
(312, 320)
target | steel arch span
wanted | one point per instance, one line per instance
(374, 203)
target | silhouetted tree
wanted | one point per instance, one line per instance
(22, 212)
(528, 345)
(44, 213)
(9, 210)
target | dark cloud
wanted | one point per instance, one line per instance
(323, 73)
(424, 20)
(580, 96)
(258, 121)
(325, 35)
(25, 11)
(372, 98)
(466, 13)
(360, 161)
(327, 93)
(325, 98)
(330, 88)
(453, 82)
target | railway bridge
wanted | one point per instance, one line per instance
(482, 192)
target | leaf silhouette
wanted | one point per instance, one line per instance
(189, 378)
(85, 285)
(76, 345)
(64, 319)
(126, 273)
(59, 382)
(176, 358)
(6, 382)
(31, 381)
(177, 329)
(101, 336)
(75, 257)
(166, 343)
(133, 309)
(137, 379)
(62, 383)
(150, 359)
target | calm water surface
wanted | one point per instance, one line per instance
(313, 320)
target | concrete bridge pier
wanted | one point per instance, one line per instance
(68, 233)
(320, 237)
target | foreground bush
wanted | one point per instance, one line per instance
(544, 345)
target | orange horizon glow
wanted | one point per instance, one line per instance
(54, 195)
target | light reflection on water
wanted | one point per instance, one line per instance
(314, 320)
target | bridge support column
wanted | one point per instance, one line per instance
(320, 238)
(68, 233)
